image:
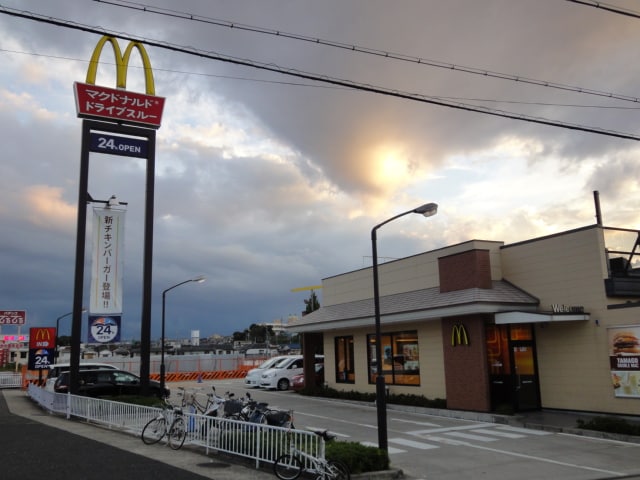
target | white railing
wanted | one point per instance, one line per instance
(10, 380)
(263, 443)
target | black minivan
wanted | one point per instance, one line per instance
(108, 383)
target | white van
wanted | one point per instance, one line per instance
(56, 369)
(253, 376)
(279, 377)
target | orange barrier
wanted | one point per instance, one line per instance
(200, 376)
(29, 376)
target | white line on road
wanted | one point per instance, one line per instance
(412, 422)
(391, 450)
(498, 433)
(412, 443)
(470, 436)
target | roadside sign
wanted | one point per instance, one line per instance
(118, 145)
(13, 317)
(42, 346)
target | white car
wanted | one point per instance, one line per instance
(280, 376)
(253, 376)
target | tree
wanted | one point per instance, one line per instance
(312, 304)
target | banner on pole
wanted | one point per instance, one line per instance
(108, 263)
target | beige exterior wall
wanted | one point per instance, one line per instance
(405, 275)
(573, 357)
(432, 382)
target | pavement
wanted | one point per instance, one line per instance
(36, 444)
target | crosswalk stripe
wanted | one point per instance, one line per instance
(470, 436)
(412, 443)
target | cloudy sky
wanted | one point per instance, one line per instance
(267, 182)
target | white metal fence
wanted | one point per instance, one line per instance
(263, 443)
(10, 380)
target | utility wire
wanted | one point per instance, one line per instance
(310, 85)
(607, 7)
(369, 51)
(319, 78)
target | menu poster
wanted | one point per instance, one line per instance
(624, 358)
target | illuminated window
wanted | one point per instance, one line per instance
(400, 358)
(344, 360)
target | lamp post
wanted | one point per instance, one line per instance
(58, 328)
(428, 209)
(198, 279)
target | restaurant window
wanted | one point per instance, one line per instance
(400, 358)
(344, 360)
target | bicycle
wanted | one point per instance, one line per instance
(290, 466)
(169, 423)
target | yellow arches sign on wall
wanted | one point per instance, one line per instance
(459, 335)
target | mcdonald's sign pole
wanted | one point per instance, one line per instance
(427, 210)
(133, 118)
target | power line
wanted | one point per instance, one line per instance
(607, 7)
(321, 78)
(298, 84)
(370, 51)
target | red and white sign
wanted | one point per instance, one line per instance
(94, 101)
(13, 317)
(44, 337)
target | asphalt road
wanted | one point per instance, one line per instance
(35, 445)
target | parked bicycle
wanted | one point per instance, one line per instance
(170, 423)
(290, 465)
(191, 400)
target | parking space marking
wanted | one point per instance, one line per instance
(528, 431)
(498, 433)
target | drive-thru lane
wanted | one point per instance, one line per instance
(434, 447)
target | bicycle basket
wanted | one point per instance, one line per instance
(278, 418)
(232, 407)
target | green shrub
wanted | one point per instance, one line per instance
(394, 398)
(610, 425)
(359, 458)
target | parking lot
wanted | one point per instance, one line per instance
(433, 447)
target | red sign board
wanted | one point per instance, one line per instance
(13, 317)
(94, 101)
(42, 337)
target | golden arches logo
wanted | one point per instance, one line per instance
(122, 63)
(459, 335)
(43, 334)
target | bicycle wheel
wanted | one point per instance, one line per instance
(177, 433)
(154, 430)
(287, 467)
(337, 470)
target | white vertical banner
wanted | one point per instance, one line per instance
(108, 263)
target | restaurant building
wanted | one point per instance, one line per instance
(551, 322)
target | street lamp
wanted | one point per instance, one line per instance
(198, 279)
(58, 328)
(428, 209)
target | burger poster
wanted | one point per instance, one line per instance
(624, 356)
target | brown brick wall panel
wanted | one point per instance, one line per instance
(464, 270)
(466, 371)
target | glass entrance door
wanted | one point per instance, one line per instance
(512, 367)
(525, 381)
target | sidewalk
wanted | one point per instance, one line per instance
(37, 444)
(29, 432)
